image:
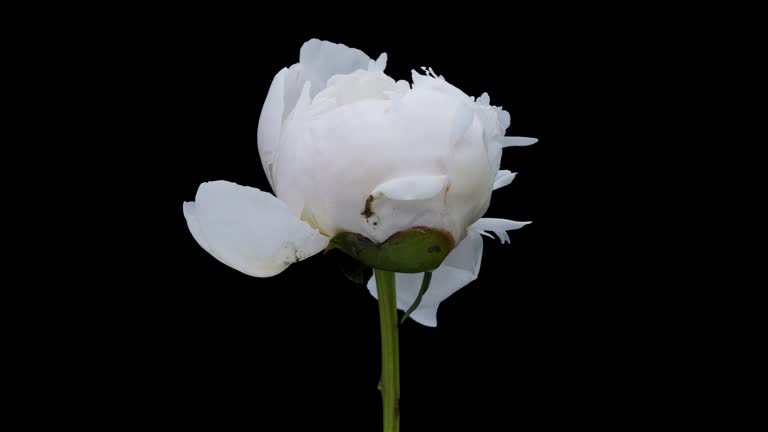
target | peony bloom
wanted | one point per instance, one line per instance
(347, 149)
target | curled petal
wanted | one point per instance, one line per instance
(412, 187)
(497, 226)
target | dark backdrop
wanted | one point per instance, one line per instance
(193, 342)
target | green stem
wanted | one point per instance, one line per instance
(390, 351)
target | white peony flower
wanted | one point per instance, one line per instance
(346, 148)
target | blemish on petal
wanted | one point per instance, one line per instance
(368, 210)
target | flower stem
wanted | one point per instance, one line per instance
(390, 351)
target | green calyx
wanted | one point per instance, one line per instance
(415, 250)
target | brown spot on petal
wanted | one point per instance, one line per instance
(368, 211)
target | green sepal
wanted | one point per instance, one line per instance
(424, 287)
(415, 250)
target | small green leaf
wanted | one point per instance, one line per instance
(351, 268)
(415, 250)
(417, 302)
(355, 271)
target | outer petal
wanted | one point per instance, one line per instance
(280, 101)
(321, 60)
(190, 214)
(503, 178)
(249, 230)
(318, 61)
(460, 267)
(517, 141)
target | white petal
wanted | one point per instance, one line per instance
(354, 87)
(271, 123)
(517, 141)
(381, 62)
(483, 233)
(411, 188)
(370, 142)
(462, 120)
(426, 82)
(504, 119)
(286, 184)
(190, 214)
(484, 100)
(503, 178)
(460, 267)
(403, 86)
(497, 226)
(321, 60)
(280, 101)
(249, 230)
(425, 315)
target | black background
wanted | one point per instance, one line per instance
(593, 317)
(183, 340)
